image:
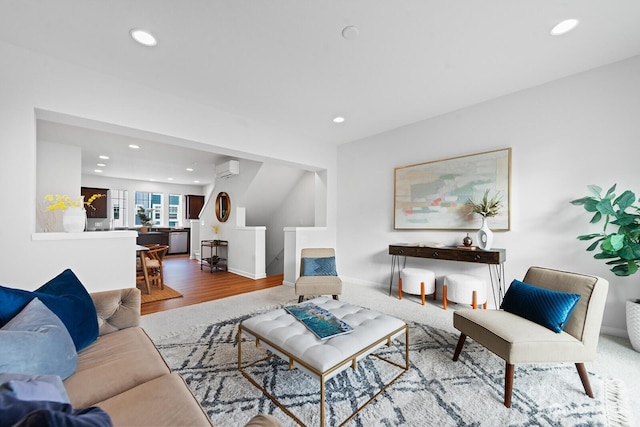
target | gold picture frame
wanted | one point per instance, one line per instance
(433, 195)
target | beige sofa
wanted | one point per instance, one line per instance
(124, 374)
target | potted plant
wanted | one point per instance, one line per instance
(620, 245)
(145, 220)
(486, 208)
(74, 217)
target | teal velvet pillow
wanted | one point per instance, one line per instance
(319, 266)
(66, 297)
(36, 342)
(543, 306)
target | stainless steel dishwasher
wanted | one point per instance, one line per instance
(178, 242)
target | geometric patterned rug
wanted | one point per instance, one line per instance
(434, 392)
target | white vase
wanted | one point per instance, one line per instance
(633, 323)
(485, 235)
(74, 220)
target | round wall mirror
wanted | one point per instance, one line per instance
(223, 207)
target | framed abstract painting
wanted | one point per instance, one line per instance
(434, 195)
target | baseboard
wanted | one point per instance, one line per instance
(616, 332)
(247, 274)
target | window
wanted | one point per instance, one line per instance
(119, 208)
(152, 203)
(175, 208)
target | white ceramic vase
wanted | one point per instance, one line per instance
(633, 323)
(74, 220)
(485, 235)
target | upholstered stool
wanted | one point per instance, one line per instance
(417, 281)
(464, 289)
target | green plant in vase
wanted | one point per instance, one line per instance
(618, 242)
(145, 220)
(621, 246)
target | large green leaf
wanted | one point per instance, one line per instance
(611, 190)
(604, 207)
(596, 218)
(613, 243)
(588, 236)
(625, 219)
(581, 201)
(625, 200)
(597, 190)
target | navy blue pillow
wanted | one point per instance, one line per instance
(66, 297)
(24, 413)
(319, 266)
(543, 306)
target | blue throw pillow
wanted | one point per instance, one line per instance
(66, 297)
(23, 413)
(35, 342)
(30, 387)
(319, 266)
(543, 306)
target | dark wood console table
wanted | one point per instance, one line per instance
(494, 258)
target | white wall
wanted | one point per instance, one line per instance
(565, 135)
(32, 81)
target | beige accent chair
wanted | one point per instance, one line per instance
(317, 285)
(517, 340)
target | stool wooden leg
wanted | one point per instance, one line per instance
(422, 292)
(400, 288)
(484, 305)
(474, 302)
(444, 297)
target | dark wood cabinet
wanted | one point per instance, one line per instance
(193, 206)
(100, 204)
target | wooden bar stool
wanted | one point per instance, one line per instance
(417, 281)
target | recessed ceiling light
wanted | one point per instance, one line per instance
(189, 169)
(338, 119)
(134, 146)
(97, 170)
(103, 157)
(169, 179)
(196, 181)
(143, 37)
(350, 33)
(564, 27)
(101, 165)
(151, 179)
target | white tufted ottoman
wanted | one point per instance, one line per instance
(464, 289)
(417, 281)
(282, 334)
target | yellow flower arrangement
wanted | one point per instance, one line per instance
(64, 202)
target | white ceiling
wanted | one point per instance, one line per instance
(286, 64)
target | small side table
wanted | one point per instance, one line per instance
(218, 254)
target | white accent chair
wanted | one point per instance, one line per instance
(517, 340)
(317, 285)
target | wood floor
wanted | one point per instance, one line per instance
(196, 286)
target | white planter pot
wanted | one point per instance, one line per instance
(485, 235)
(74, 220)
(633, 323)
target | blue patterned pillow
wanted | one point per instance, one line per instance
(543, 306)
(319, 266)
(36, 342)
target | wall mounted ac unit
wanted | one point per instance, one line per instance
(228, 169)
